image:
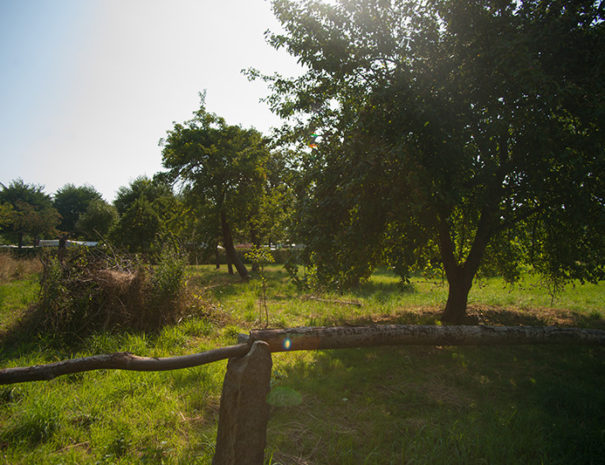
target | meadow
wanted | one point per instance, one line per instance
(391, 405)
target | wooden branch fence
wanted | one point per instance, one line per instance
(244, 413)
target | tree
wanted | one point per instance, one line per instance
(71, 202)
(97, 220)
(29, 212)
(448, 125)
(146, 209)
(223, 167)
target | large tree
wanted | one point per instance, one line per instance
(29, 212)
(449, 125)
(223, 167)
(71, 202)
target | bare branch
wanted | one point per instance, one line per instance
(117, 361)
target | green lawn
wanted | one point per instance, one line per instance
(401, 405)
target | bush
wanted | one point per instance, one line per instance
(169, 278)
(91, 291)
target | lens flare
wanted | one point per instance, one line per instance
(287, 343)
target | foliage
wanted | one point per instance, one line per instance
(168, 281)
(147, 212)
(449, 126)
(97, 220)
(272, 221)
(27, 213)
(71, 202)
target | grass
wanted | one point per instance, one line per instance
(402, 405)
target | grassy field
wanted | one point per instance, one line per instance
(403, 405)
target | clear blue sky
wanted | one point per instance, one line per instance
(88, 87)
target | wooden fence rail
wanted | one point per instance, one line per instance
(314, 338)
(244, 413)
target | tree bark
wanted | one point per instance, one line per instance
(312, 338)
(230, 249)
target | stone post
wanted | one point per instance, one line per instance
(244, 412)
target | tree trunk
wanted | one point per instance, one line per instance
(118, 361)
(218, 261)
(230, 249)
(229, 265)
(343, 337)
(460, 275)
(457, 298)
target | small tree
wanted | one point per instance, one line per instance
(261, 257)
(147, 209)
(97, 220)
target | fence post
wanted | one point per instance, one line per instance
(244, 412)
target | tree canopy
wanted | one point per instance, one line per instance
(71, 202)
(146, 209)
(97, 220)
(451, 126)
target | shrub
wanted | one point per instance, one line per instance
(169, 277)
(91, 291)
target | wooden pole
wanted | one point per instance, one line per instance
(244, 412)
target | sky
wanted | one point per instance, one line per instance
(89, 87)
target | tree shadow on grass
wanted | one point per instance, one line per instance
(476, 315)
(444, 405)
(490, 315)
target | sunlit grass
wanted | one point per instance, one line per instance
(384, 299)
(15, 298)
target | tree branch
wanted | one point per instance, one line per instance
(117, 361)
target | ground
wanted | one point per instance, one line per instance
(403, 405)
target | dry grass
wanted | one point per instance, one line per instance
(12, 269)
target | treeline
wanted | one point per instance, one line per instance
(223, 185)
